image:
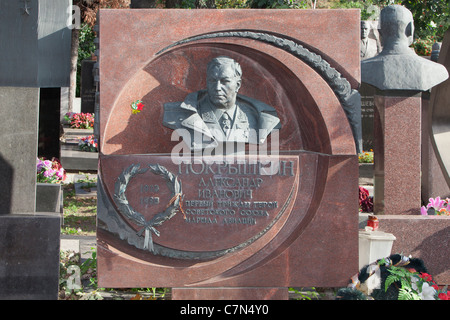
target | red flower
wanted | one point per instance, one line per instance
(425, 276)
(443, 296)
(140, 105)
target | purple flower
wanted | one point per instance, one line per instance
(39, 165)
(60, 173)
(423, 211)
(436, 203)
(49, 173)
(47, 164)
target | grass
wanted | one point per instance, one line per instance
(80, 214)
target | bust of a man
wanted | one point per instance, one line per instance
(398, 67)
(369, 47)
(218, 113)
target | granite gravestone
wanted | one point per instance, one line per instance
(275, 214)
(35, 53)
(438, 120)
(399, 76)
(88, 87)
(370, 47)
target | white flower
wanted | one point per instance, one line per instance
(427, 293)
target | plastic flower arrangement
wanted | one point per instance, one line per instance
(80, 120)
(136, 107)
(50, 171)
(396, 277)
(436, 206)
(88, 144)
(415, 285)
(365, 200)
(366, 157)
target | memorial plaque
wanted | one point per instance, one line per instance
(264, 198)
(367, 115)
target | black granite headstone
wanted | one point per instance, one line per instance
(18, 148)
(367, 116)
(29, 255)
(35, 43)
(49, 122)
(88, 87)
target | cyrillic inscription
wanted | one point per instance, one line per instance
(227, 192)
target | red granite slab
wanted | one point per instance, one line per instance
(155, 76)
(156, 56)
(397, 173)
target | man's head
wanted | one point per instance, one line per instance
(365, 29)
(396, 26)
(223, 80)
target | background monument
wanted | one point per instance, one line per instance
(34, 56)
(400, 77)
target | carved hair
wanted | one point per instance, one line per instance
(221, 60)
(396, 21)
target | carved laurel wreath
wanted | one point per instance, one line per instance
(124, 207)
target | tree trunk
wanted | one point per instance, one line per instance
(73, 68)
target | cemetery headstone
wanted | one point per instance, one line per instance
(434, 183)
(367, 116)
(35, 54)
(49, 122)
(439, 113)
(184, 203)
(88, 88)
(370, 47)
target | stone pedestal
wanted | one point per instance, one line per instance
(397, 163)
(35, 54)
(226, 293)
(29, 256)
(18, 148)
(434, 182)
(49, 197)
(72, 158)
(424, 237)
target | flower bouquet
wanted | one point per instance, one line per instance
(366, 157)
(50, 171)
(88, 144)
(365, 200)
(415, 285)
(396, 277)
(136, 107)
(80, 120)
(436, 206)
